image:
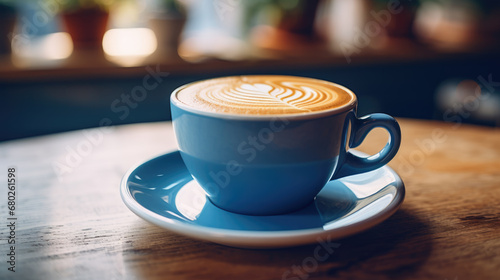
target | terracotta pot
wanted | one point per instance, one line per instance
(301, 21)
(401, 24)
(86, 27)
(167, 30)
(294, 30)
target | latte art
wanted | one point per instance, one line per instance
(264, 95)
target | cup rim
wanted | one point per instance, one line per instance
(294, 116)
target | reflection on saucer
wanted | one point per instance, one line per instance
(163, 192)
(190, 200)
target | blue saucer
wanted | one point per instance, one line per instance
(163, 192)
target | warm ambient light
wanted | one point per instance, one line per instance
(212, 43)
(126, 46)
(55, 46)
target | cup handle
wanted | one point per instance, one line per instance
(351, 164)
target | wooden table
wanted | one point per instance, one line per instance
(72, 224)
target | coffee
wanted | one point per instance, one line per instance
(266, 145)
(264, 95)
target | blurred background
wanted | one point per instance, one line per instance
(73, 64)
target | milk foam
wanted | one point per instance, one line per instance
(264, 95)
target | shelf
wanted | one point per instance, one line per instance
(91, 64)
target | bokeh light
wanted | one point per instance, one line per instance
(129, 46)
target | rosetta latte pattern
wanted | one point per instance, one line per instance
(264, 95)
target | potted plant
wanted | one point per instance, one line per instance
(86, 21)
(400, 23)
(281, 24)
(8, 15)
(459, 23)
(167, 21)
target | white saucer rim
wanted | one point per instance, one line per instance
(257, 239)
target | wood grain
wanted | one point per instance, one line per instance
(75, 226)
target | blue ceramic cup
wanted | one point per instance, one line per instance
(274, 164)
